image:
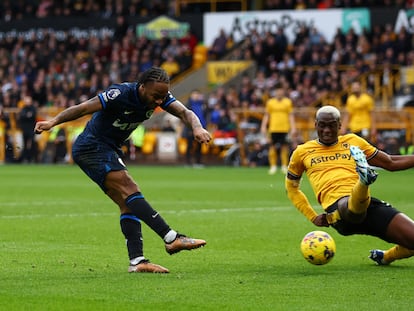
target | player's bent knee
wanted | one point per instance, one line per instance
(121, 182)
(401, 230)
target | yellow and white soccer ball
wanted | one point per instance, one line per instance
(318, 247)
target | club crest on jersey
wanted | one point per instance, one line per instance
(149, 113)
(111, 94)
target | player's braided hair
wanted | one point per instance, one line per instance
(154, 74)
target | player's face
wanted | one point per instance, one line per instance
(327, 127)
(279, 93)
(356, 88)
(153, 94)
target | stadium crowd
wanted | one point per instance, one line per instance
(310, 67)
(20, 9)
(61, 73)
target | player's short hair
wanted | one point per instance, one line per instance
(154, 74)
(329, 109)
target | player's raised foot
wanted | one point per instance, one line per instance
(183, 242)
(378, 256)
(366, 174)
(146, 266)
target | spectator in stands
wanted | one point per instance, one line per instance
(196, 103)
(117, 112)
(260, 81)
(214, 113)
(403, 42)
(146, 61)
(60, 146)
(281, 43)
(360, 118)
(189, 39)
(258, 155)
(27, 120)
(278, 122)
(121, 28)
(270, 48)
(44, 9)
(171, 66)
(184, 57)
(55, 149)
(219, 45)
(5, 126)
(172, 48)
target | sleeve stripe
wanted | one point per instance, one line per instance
(101, 97)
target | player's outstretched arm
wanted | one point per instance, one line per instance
(69, 114)
(191, 120)
(392, 162)
(298, 198)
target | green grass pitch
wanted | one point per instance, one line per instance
(62, 249)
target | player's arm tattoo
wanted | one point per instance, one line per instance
(77, 111)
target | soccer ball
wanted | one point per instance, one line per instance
(318, 247)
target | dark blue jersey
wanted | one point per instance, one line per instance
(122, 111)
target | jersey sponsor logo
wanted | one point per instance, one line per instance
(125, 126)
(333, 157)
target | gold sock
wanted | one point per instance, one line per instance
(284, 156)
(397, 252)
(272, 157)
(359, 199)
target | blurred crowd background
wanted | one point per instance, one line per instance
(45, 71)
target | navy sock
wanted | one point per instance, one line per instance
(143, 210)
(131, 228)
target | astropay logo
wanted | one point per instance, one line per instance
(332, 157)
(405, 19)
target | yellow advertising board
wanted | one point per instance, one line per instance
(219, 72)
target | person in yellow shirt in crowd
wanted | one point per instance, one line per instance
(359, 118)
(340, 173)
(171, 66)
(278, 122)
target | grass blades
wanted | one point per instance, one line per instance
(62, 248)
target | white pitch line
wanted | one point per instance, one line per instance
(109, 203)
(195, 211)
(37, 203)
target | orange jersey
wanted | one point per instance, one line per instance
(330, 169)
(279, 111)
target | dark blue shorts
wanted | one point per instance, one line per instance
(96, 158)
(379, 215)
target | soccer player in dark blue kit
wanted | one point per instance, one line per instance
(117, 111)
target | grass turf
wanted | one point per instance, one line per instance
(62, 249)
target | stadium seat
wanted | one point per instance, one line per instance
(199, 56)
(150, 140)
(182, 145)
